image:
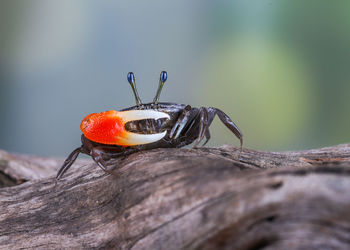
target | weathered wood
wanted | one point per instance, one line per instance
(180, 199)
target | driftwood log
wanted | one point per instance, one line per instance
(203, 198)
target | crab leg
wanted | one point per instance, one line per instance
(97, 155)
(207, 137)
(68, 162)
(211, 116)
(229, 124)
(181, 122)
(203, 125)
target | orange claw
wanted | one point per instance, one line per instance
(109, 127)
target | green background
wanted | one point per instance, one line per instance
(279, 69)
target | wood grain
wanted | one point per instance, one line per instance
(203, 198)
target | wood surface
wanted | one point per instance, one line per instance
(206, 198)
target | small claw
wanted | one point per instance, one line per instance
(109, 127)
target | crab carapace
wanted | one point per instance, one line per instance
(145, 126)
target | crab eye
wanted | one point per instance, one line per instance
(131, 78)
(163, 76)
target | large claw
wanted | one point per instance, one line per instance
(109, 127)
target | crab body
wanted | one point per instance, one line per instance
(143, 127)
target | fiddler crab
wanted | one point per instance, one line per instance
(145, 126)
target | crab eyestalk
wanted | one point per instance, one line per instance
(162, 79)
(109, 127)
(131, 80)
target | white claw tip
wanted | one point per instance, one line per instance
(134, 115)
(132, 139)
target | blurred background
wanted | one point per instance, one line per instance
(279, 69)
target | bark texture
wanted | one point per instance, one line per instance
(203, 198)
